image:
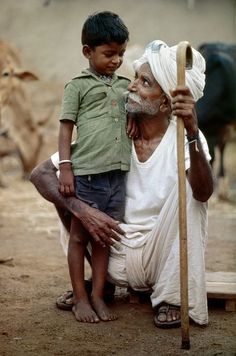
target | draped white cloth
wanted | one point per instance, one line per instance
(162, 60)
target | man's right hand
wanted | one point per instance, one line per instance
(100, 226)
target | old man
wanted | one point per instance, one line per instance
(145, 253)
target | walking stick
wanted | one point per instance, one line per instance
(184, 60)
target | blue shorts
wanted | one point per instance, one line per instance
(103, 191)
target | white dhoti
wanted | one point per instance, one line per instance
(155, 265)
(148, 256)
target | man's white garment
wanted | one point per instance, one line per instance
(148, 255)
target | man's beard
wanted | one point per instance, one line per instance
(137, 105)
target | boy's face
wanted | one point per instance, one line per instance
(105, 59)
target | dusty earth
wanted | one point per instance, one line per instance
(36, 274)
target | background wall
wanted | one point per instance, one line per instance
(48, 37)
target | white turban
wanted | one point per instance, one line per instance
(162, 60)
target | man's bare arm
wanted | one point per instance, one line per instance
(100, 226)
(199, 174)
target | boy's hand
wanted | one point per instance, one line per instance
(132, 127)
(66, 181)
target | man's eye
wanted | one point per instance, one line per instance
(145, 82)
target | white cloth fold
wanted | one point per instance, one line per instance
(162, 60)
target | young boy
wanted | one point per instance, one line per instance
(94, 169)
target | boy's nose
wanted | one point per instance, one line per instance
(116, 60)
(132, 86)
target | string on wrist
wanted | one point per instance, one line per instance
(64, 161)
(193, 139)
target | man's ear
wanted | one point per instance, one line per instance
(86, 51)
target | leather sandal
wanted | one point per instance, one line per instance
(164, 308)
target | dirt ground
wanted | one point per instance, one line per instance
(37, 273)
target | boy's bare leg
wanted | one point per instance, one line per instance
(82, 308)
(100, 256)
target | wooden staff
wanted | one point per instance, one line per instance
(184, 60)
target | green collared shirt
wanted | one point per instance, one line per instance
(98, 111)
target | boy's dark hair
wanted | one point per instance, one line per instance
(102, 28)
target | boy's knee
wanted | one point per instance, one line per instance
(77, 238)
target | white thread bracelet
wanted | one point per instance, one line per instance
(64, 161)
(195, 140)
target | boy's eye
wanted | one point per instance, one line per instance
(108, 55)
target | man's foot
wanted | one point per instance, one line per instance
(104, 313)
(84, 313)
(167, 316)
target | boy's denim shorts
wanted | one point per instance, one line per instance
(103, 191)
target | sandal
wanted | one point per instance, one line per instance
(65, 301)
(163, 309)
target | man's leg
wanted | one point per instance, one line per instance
(76, 253)
(161, 260)
(100, 256)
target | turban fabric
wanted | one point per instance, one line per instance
(163, 64)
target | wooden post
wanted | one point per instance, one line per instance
(184, 60)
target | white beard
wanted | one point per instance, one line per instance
(136, 105)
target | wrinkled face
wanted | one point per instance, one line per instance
(105, 59)
(145, 93)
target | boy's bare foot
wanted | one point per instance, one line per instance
(83, 312)
(104, 313)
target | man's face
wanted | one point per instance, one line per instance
(145, 93)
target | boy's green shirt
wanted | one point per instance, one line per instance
(98, 111)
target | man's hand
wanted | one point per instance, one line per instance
(183, 105)
(100, 226)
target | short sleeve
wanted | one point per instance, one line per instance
(70, 102)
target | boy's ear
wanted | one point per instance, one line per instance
(86, 51)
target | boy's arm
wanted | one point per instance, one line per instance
(132, 127)
(101, 227)
(66, 178)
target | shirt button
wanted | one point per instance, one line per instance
(116, 119)
(113, 102)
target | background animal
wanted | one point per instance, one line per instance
(19, 127)
(217, 109)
